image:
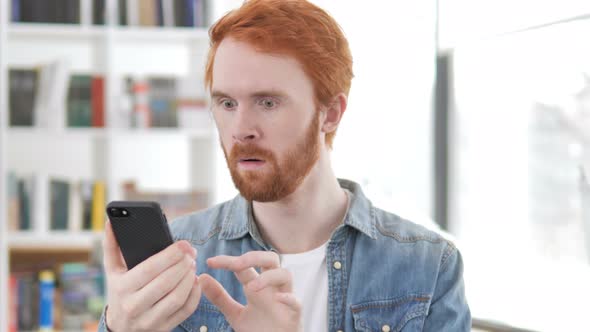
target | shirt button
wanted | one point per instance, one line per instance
(385, 328)
(339, 331)
(337, 265)
(203, 328)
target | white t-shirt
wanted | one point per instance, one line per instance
(310, 286)
(310, 283)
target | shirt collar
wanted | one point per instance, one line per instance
(239, 220)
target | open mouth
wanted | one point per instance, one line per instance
(250, 163)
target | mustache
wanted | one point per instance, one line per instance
(239, 151)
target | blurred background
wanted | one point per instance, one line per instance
(470, 117)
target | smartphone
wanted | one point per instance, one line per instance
(141, 229)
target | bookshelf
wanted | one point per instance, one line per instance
(160, 160)
(57, 241)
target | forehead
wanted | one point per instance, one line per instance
(240, 68)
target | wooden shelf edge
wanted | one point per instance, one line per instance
(53, 241)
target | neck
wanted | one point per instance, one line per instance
(305, 219)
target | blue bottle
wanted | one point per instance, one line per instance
(46, 290)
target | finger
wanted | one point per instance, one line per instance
(149, 269)
(263, 259)
(113, 259)
(280, 278)
(163, 284)
(246, 276)
(188, 308)
(224, 262)
(175, 299)
(217, 295)
(289, 300)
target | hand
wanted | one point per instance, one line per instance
(157, 294)
(271, 306)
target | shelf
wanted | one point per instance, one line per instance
(69, 133)
(91, 133)
(139, 132)
(53, 240)
(55, 30)
(172, 34)
(121, 33)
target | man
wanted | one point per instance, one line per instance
(298, 249)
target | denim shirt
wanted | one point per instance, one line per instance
(384, 273)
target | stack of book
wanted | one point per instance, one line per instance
(71, 205)
(74, 302)
(46, 11)
(168, 13)
(50, 97)
(162, 102)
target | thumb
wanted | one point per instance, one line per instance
(217, 295)
(113, 259)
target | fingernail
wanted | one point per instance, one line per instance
(194, 252)
(194, 264)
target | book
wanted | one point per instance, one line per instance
(98, 206)
(141, 108)
(147, 13)
(200, 14)
(71, 11)
(122, 12)
(160, 13)
(162, 96)
(40, 208)
(21, 97)
(28, 304)
(86, 188)
(98, 12)
(133, 12)
(13, 205)
(97, 99)
(168, 13)
(79, 101)
(82, 295)
(59, 204)
(179, 13)
(47, 11)
(12, 304)
(25, 194)
(15, 10)
(49, 109)
(75, 215)
(189, 13)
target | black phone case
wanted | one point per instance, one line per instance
(141, 234)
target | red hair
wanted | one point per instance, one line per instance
(296, 28)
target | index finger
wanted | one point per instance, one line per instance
(251, 259)
(149, 269)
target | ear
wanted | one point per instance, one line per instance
(332, 114)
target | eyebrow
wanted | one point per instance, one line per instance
(257, 94)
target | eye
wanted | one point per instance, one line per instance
(268, 103)
(228, 103)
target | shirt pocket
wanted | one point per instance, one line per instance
(405, 313)
(206, 318)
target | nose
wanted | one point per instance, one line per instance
(245, 129)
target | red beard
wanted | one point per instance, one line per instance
(276, 180)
